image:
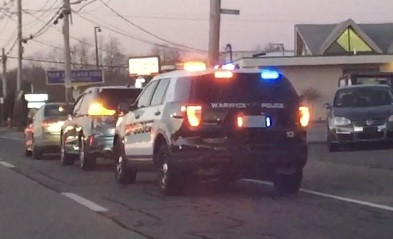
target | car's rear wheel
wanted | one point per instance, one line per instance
(37, 152)
(288, 183)
(170, 180)
(124, 173)
(86, 160)
(28, 153)
(333, 147)
(65, 158)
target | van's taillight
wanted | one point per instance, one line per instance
(193, 114)
(304, 113)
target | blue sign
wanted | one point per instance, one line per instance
(77, 76)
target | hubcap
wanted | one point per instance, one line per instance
(119, 166)
(82, 154)
(164, 175)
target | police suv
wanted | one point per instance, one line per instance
(224, 123)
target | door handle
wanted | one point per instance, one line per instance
(137, 116)
(157, 113)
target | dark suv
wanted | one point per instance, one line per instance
(219, 123)
(88, 132)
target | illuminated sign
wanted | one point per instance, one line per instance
(92, 76)
(36, 97)
(144, 66)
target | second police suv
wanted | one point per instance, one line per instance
(224, 123)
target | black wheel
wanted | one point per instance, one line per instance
(288, 183)
(86, 160)
(37, 152)
(227, 180)
(28, 153)
(65, 158)
(124, 173)
(170, 180)
(333, 147)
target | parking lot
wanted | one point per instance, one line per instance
(344, 194)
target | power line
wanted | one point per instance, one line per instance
(47, 44)
(87, 4)
(151, 17)
(62, 62)
(148, 32)
(121, 32)
(12, 46)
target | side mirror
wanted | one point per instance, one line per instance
(133, 106)
(123, 108)
(328, 106)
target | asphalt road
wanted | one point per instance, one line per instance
(345, 195)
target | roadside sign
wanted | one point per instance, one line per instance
(77, 76)
(36, 97)
(230, 11)
(144, 66)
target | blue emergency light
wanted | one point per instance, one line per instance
(270, 75)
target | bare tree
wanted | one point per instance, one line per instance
(81, 53)
(168, 56)
(115, 62)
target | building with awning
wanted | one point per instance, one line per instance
(324, 52)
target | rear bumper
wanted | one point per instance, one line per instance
(101, 145)
(48, 141)
(195, 153)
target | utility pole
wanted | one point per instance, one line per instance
(96, 41)
(4, 78)
(20, 47)
(214, 32)
(67, 56)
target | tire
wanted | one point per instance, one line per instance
(124, 173)
(65, 158)
(37, 152)
(227, 181)
(170, 180)
(28, 153)
(86, 161)
(288, 183)
(333, 147)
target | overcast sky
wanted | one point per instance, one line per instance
(186, 21)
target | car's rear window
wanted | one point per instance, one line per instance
(55, 110)
(111, 98)
(241, 88)
(363, 97)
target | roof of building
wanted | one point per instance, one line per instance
(318, 37)
(314, 60)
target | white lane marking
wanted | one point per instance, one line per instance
(6, 164)
(11, 138)
(87, 203)
(327, 195)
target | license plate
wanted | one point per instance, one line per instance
(258, 121)
(370, 130)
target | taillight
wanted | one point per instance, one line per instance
(45, 124)
(304, 116)
(193, 114)
(240, 121)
